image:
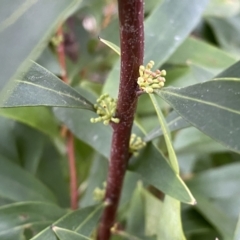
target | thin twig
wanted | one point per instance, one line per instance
(70, 139)
(61, 54)
(72, 170)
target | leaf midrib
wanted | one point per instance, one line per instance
(25, 225)
(200, 101)
(57, 92)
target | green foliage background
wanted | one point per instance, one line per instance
(197, 42)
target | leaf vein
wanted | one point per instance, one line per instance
(51, 90)
(200, 101)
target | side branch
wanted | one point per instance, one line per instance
(65, 132)
(131, 18)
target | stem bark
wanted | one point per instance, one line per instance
(131, 18)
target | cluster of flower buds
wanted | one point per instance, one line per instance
(99, 194)
(105, 108)
(136, 143)
(148, 80)
(56, 40)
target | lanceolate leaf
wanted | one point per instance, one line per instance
(96, 135)
(40, 118)
(166, 133)
(174, 122)
(227, 32)
(169, 18)
(154, 169)
(163, 218)
(114, 47)
(199, 53)
(22, 35)
(217, 194)
(232, 71)
(222, 8)
(17, 217)
(212, 107)
(65, 234)
(82, 221)
(18, 185)
(39, 87)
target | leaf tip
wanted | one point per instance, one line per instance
(54, 228)
(193, 202)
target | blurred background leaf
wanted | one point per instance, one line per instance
(39, 87)
(20, 26)
(25, 218)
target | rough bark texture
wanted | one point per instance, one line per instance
(132, 46)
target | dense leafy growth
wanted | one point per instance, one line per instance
(184, 184)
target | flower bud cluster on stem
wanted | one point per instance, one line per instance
(105, 108)
(131, 27)
(136, 143)
(148, 80)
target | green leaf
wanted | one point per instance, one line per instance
(30, 145)
(231, 72)
(182, 75)
(168, 17)
(195, 52)
(97, 176)
(222, 8)
(20, 23)
(19, 185)
(65, 234)
(49, 61)
(212, 107)
(174, 122)
(82, 221)
(8, 148)
(171, 214)
(51, 159)
(155, 170)
(131, 180)
(193, 222)
(217, 194)
(191, 145)
(17, 217)
(216, 217)
(39, 87)
(237, 231)
(163, 218)
(227, 32)
(39, 118)
(166, 133)
(114, 47)
(97, 135)
(135, 215)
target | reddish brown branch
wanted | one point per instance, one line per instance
(72, 170)
(132, 45)
(70, 139)
(61, 54)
